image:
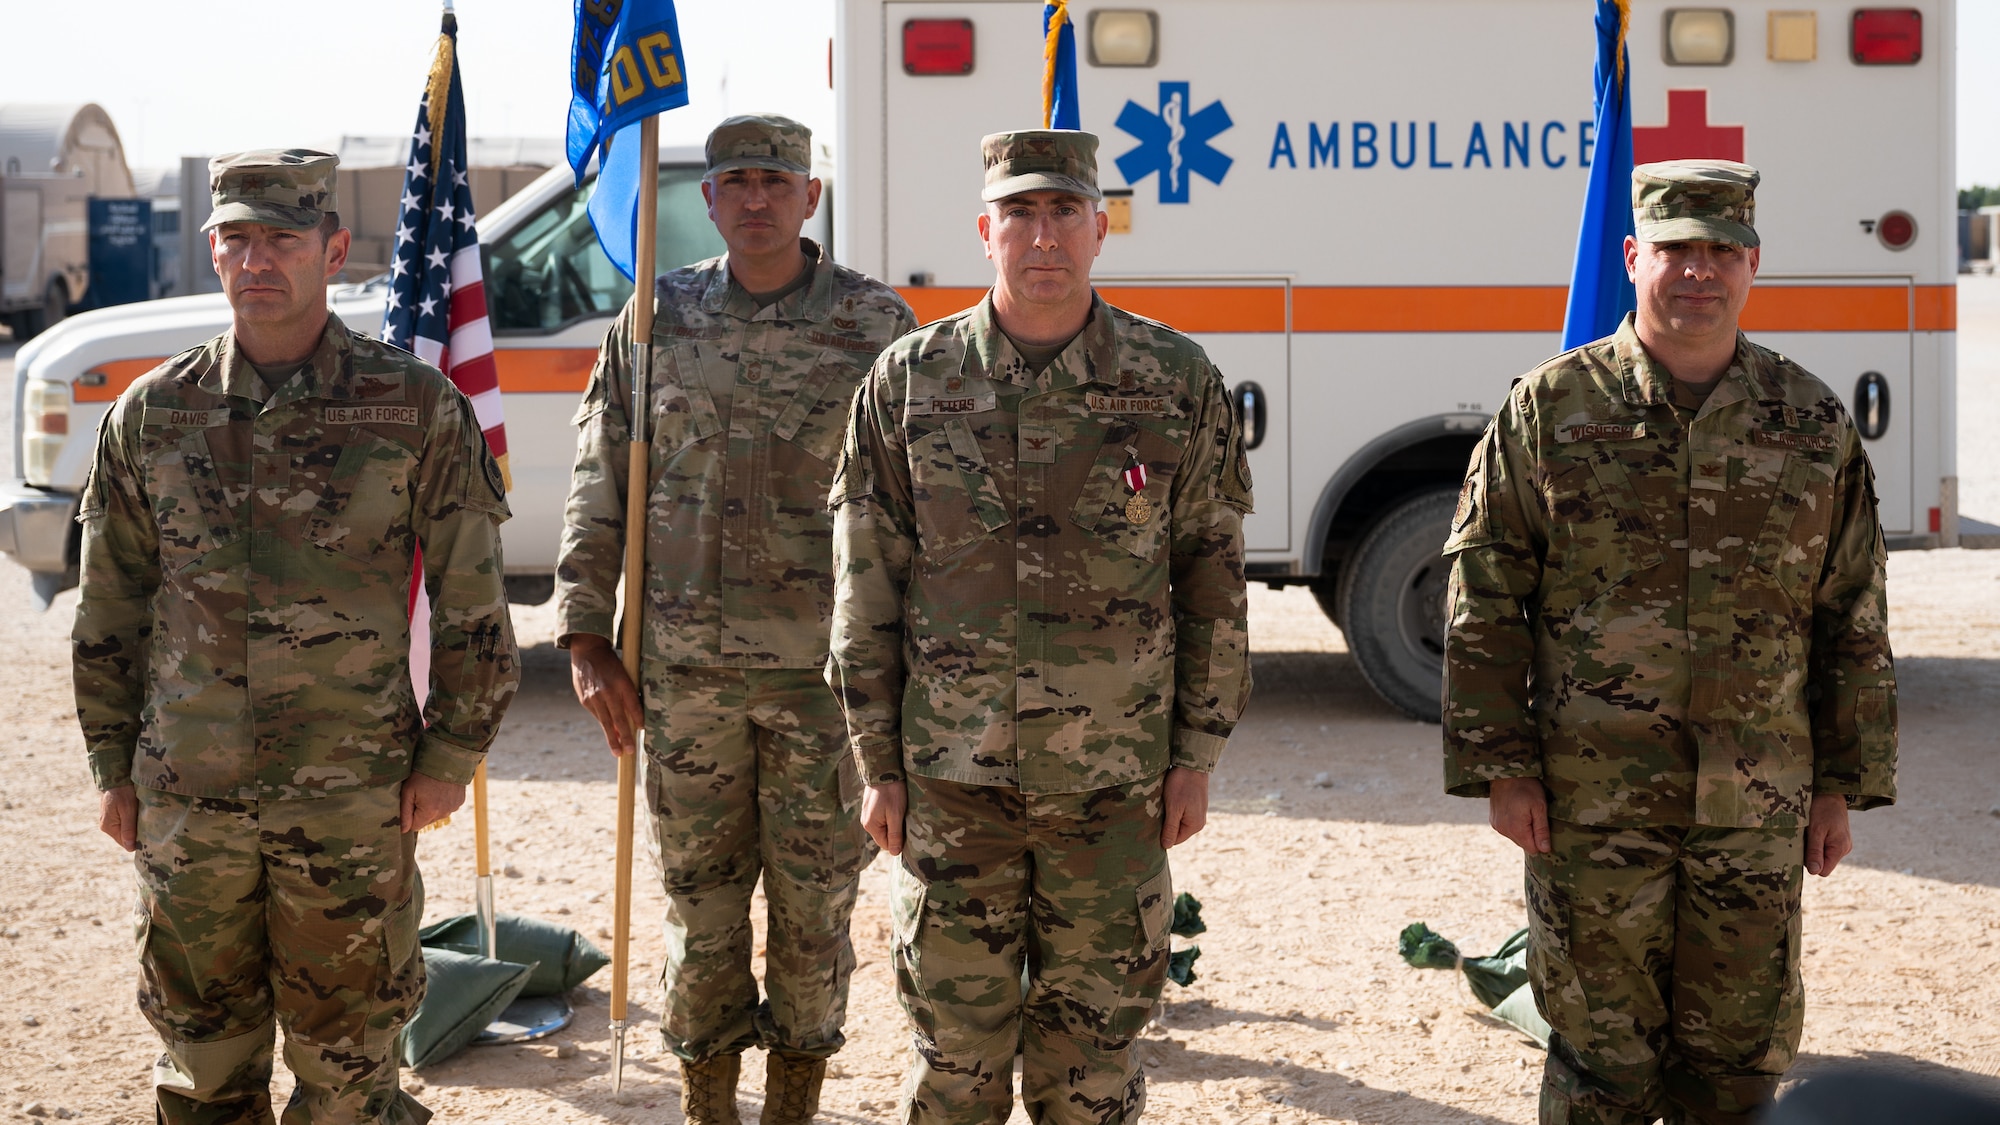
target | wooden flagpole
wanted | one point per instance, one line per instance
(636, 487)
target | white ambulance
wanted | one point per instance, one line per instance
(1366, 211)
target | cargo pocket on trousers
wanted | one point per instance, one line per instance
(906, 918)
(1788, 1021)
(847, 777)
(1143, 974)
(1558, 990)
(401, 988)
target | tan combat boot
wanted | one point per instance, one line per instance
(708, 1090)
(791, 1088)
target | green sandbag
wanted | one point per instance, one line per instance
(1493, 978)
(1519, 1009)
(1187, 916)
(461, 996)
(1180, 965)
(562, 957)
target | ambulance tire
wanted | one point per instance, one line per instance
(1392, 602)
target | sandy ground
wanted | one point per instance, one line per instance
(1302, 1013)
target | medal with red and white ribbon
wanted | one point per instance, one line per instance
(1138, 509)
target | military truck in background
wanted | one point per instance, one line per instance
(53, 159)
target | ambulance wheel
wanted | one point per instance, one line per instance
(1392, 602)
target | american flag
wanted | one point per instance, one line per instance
(437, 293)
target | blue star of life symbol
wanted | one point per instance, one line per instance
(1174, 142)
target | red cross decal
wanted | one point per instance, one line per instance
(1687, 135)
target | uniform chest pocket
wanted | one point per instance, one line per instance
(1606, 535)
(1790, 529)
(682, 412)
(364, 505)
(1126, 498)
(815, 419)
(957, 499)
(190, 500)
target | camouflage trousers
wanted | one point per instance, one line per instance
(748, 773)
(1029, 924)
(301, 912)
(1667, 962)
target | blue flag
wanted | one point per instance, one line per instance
(1599, 292)
(625, 66)
(1059, 107)
(614, 203)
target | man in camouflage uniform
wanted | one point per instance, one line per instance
(1040, 645)
(755, 356)
(1667, 666)
(242, 666)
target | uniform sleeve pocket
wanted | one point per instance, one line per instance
(1472, 522)
(852, 477)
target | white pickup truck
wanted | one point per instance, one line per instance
(551, 295)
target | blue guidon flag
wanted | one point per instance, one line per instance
(437, 291)
(1599, 292)
(625, 66)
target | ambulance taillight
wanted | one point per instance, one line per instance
(1887, 36)
(932, 47)
(1699, 37)
(1896, 230)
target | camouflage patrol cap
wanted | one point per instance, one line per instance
(279, 187)
(760, 140)
(1040, 160)
(1695, 201)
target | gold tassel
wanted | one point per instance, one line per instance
(1056, 22)
(1624, 25)
(437, 95)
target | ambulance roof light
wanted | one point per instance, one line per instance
(1124, 37)
(937, 47)
(1699, 37)
(1887, 37)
